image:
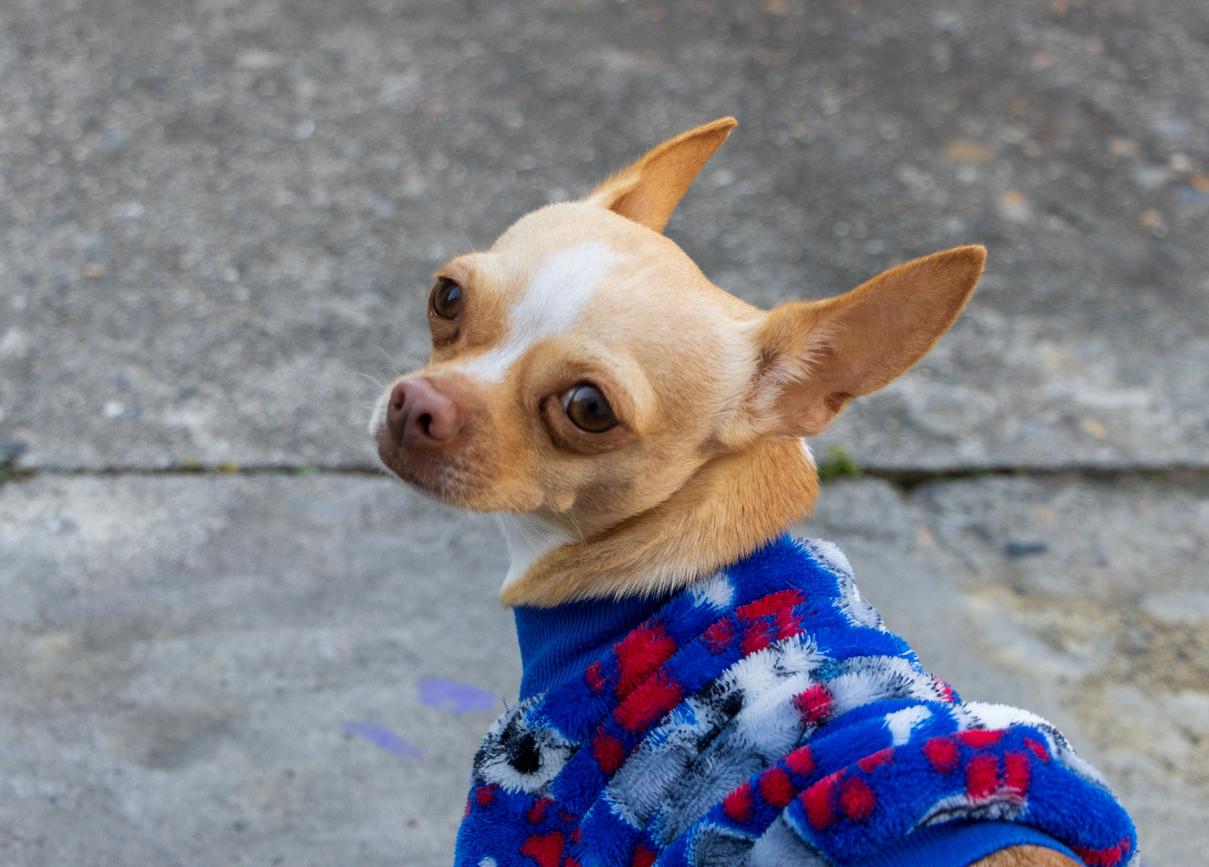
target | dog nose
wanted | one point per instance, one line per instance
(420, 416)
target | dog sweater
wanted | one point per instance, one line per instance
(764, 716)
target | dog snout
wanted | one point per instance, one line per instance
(420, 416)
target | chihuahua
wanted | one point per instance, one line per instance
(698, 687)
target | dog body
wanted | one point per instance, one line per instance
(637, 428)
(764, 716)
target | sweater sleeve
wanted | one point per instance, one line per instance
(962, 843)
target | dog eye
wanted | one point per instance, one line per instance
(588, 409)
(446, 300)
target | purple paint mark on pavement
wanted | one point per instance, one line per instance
(454, 696)
(383, 737)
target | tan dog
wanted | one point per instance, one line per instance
(635, 425)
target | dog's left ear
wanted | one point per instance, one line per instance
(814, 357)
(648, 191)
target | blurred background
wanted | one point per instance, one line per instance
(226, 639)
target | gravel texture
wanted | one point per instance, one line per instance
(218, 218)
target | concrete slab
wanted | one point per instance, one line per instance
(296, 670)
(215, 218)
(198, 671)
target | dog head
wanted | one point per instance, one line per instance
(584, 371)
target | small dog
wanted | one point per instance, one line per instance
(698, 687)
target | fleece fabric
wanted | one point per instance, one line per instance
(764, 715)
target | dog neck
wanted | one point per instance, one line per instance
(728, 509)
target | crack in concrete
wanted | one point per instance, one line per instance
(908, 480)
(905, 480)
(17, 474)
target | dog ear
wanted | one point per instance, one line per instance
(814, 357)
(649, 190)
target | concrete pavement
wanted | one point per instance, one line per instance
(216, 218)
(279, 670)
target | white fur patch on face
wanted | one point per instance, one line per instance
(378, 417)
(553, 301)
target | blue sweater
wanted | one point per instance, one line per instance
(764, 715)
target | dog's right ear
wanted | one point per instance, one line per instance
(815, 356)
(649, 190)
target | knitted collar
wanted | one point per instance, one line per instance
(558, 643)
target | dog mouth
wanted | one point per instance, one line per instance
(439, 477)
(430, 480)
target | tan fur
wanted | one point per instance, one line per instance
(648, 191)
(725, 511)
(712, 393)
(1026, 856)
(814, 360)
(821, 354)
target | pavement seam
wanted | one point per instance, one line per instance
(905, 480)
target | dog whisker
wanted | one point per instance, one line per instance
(390, 362)
(578, 530)
(379, 383)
